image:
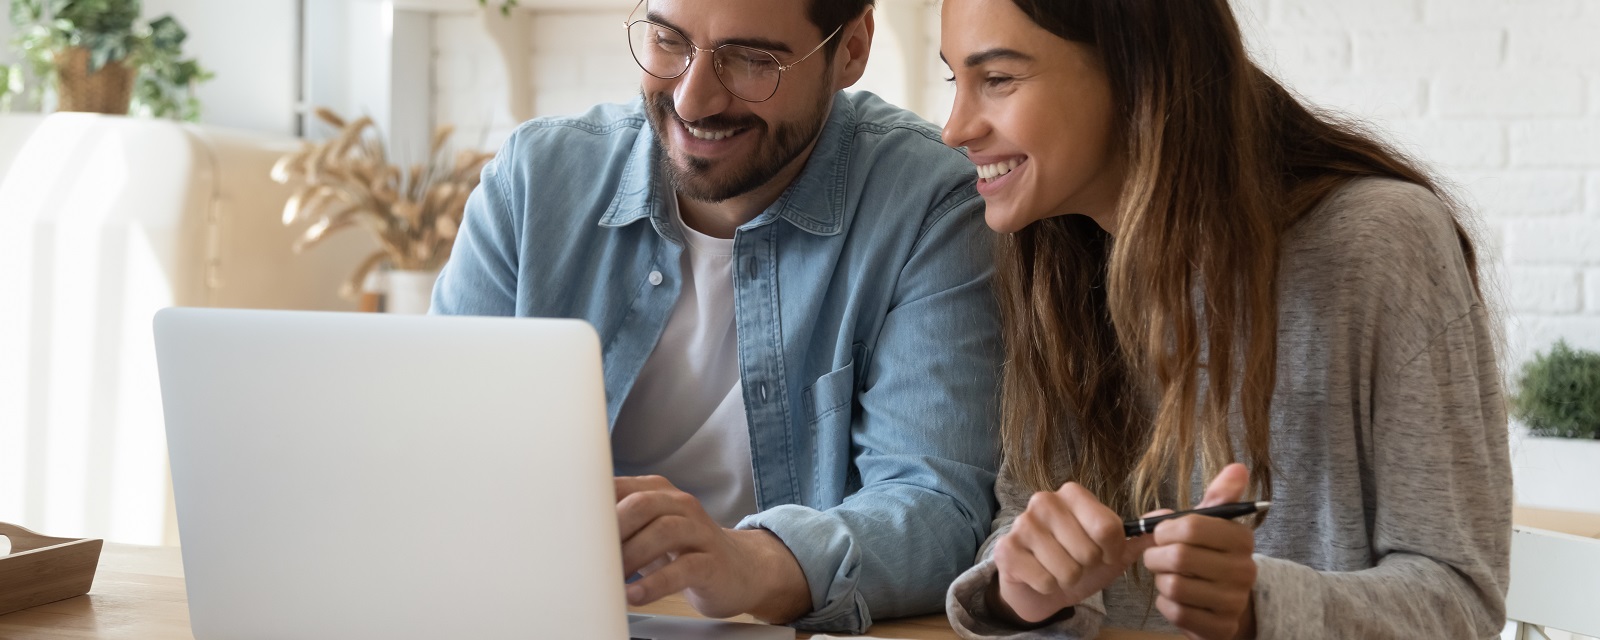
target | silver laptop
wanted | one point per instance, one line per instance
(375, 476)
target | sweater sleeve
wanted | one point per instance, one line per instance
(1440, 527)
(965, 603)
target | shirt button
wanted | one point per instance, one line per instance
(655, 278)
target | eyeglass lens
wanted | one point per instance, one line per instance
(751, 74)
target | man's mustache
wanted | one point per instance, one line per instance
(663, 104)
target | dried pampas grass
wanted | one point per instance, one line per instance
(348, 181)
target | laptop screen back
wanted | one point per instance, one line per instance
(374, 476)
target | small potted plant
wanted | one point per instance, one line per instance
(96, 57)
(1558, 400)
(1559, 394)
(413, 212)
(505, 5)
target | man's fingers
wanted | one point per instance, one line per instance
(676, 576)
(665, 535)
(629, 485)
(1229, 486)
(637, 510)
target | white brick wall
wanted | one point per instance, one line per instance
(1591, 292)
(1502, 93)
(1501, 97)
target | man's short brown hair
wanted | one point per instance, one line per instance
(832, 14)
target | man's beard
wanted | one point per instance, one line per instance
(776, 148)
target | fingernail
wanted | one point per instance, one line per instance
(635, 594)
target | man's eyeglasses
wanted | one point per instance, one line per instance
(748, 73)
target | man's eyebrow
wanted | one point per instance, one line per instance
(754, 43)
(990, 55)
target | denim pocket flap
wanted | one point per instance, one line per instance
(831, 393)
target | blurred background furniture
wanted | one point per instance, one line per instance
(104, 220)
(1555, 574)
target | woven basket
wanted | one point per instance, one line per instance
(109, 90)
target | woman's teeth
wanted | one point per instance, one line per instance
(712, 136)
(992, 171)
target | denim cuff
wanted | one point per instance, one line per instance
(830, 559)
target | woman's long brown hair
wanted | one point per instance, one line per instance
(1106, 337)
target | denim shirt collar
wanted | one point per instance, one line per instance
(814, 202)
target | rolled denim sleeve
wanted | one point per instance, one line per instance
(924, 441)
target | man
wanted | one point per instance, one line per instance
(791, 287)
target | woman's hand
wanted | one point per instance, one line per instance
(1064, 548)
(1203, 570)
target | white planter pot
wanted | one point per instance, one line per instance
(409, 292)
(1556, 473)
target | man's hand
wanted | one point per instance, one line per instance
(669, 537)
(1065, 547)
(1203, 569)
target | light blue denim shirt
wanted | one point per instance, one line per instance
(868, 335)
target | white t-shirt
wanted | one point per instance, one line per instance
(684, 419)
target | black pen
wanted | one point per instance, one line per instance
(1135, 528)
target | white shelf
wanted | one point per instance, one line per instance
(471, 6)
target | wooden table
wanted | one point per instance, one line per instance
(138, 594)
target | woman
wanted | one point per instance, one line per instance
(1197, 269)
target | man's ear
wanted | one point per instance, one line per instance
(850, 60)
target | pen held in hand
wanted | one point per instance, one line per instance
(1135, 528)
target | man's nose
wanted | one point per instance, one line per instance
(700, 93)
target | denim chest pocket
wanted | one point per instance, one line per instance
(831, 394)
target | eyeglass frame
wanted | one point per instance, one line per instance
(695, 50)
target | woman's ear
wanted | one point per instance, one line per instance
(850, 60)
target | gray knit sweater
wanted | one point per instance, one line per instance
(1391, 514)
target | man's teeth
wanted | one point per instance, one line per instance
(712, 136)
(992, 171)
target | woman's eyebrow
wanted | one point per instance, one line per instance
(990, 55)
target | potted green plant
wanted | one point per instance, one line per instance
(1558, 400)
(96, 56)
(505, 5)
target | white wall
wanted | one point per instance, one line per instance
(252, 47)
(1500, 97)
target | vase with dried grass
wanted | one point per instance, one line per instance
(413, 212)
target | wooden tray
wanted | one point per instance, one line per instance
(42, 569)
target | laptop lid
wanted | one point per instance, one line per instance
(376, 476)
